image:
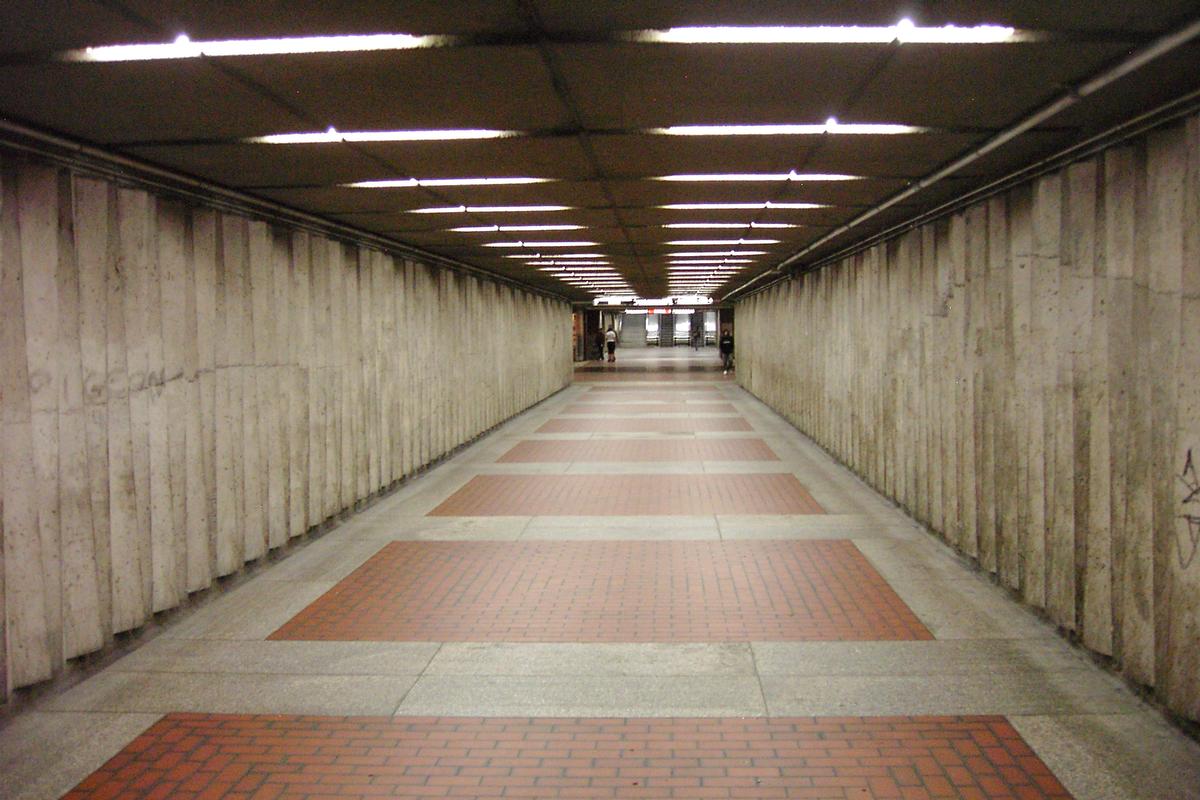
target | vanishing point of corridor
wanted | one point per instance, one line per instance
(648, 585)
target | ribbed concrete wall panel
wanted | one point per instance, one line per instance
(184, 390)
(1024, 378)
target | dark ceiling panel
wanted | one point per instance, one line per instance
(138, 101)
(557, 157)
(955, 87)
(1022, 151)
(641, 155)
(499, 79)
(337, 199)
(251, 165)
(507, 88)
(221, 19)
(1060, 15)
(599, 217)
(565, 193)
(1160, 81)
(838, 193)
(48, 25)
(909, 155)
(684, 85)
(658, 216)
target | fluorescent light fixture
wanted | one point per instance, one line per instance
(535, 256)
(580, 266)
(740, 206)
(515, 228)
(729, 225)
(702, 262)
(540, 244)
(183, 47)
(410, 183)
(905, 32)
(720, 242)
(334, 135)
(710, 253)
(487, 209)
(829, 126)
(752, 177)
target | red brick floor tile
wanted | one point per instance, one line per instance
(616, 407)
(607, 450)
(229, 756)
(644, 425)
(625, 591)
(628, 495)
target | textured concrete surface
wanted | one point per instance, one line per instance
(989, 656)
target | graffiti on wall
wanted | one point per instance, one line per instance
(1187, 537)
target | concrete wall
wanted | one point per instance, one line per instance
(182, 391)
(1024, 378)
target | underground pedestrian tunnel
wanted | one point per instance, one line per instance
(318, 478)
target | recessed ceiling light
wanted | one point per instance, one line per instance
(515, 228)
(535, 256)
(598, 267)
(409, 183)
(540, 244)
(486, 209)
(905, 32)
(729, 225)
(745, 177)
(720, 242)
(849, 128)
(740, 206)
(333, 135)
(184, 47)
(703, 261)
(710, 253)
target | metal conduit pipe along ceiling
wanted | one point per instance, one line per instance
(1066, 100)
(444, 135)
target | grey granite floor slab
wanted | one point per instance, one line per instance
(584, 695)
(250, 612)
(280, 658)
(43, 755)
(1075, 691)
(579, 659)
(1134, 756)
(232, 693)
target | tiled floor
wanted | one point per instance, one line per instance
(660, 407)
(638, 450)
(628, 495)
(191, 756)
(644, 425)
(610, 592)
(622, 644)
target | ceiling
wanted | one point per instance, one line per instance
(584, 99)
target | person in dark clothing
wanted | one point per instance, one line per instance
(726, 348)
(599, 345)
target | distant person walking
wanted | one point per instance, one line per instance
(599, 345)
(726, 347)
(697, 337)
(610, 340)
